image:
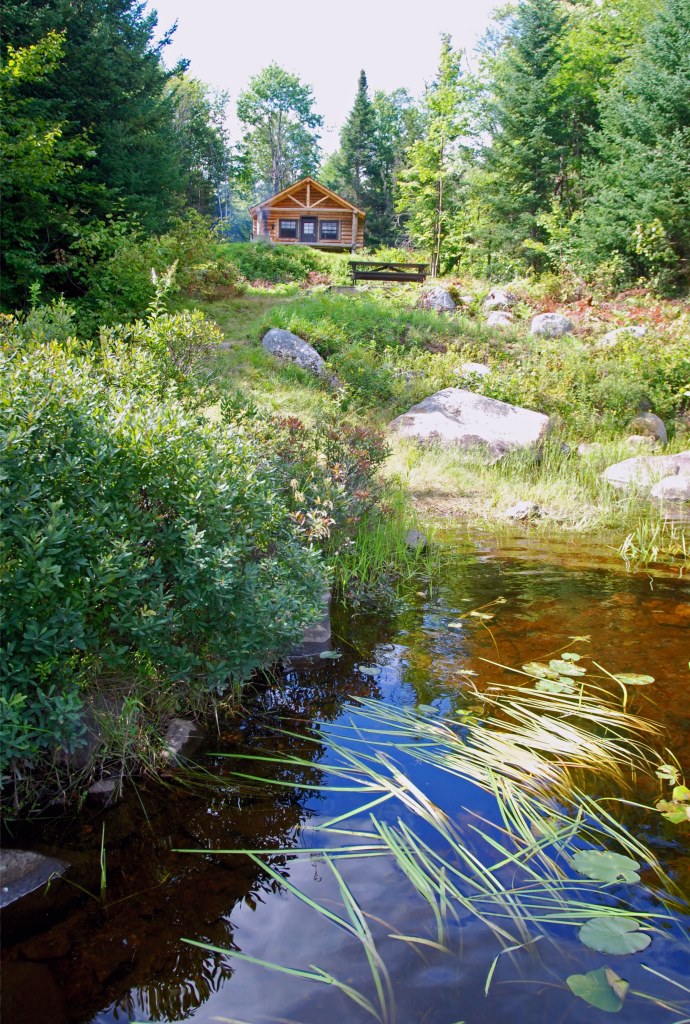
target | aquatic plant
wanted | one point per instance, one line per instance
(553, 856)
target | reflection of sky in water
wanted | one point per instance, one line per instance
(635, 624)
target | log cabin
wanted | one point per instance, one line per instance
(308, 213)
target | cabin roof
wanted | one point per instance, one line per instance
(303, 181)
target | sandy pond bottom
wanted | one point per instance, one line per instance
(70, 958)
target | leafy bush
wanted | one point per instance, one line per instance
(257, 261)
(137, 537)
(214, 281)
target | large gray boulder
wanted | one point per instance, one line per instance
(550, 325)
(437, 299)
(475, 370)
(458, 417)
(499, 298)
(649, 425)
(23, 871)
(290, 349)
(643, 471)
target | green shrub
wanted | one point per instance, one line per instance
(214, 281)
(136, 537)
(258, 261)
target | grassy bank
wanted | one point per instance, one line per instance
(389, 354)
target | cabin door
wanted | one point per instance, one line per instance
(308, 229)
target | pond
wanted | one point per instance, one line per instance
(360, 935)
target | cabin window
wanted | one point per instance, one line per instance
(287, 229)
(330, 230)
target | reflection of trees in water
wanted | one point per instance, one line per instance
(130, 955)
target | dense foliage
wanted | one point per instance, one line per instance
(138, 538)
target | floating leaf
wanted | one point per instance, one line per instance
(566, 668)
(560, 685)
(633, 679)
(539, 669)
(677, 813)
(569, 656)
(369, 670)
(667, 772)
(601, 988)
(333, 655)
(456, 625)
(616, 935)
(606, 867)
(482, 615)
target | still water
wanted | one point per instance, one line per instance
(73, 959)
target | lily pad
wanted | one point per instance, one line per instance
(369, 670)
(539, 669)
(616, 935)
(633, 679)
(677, 809)
(566, 668)
(482, 615)
(604, 866)
(601, 988)
(332, 655)
(560, 685)
(570, 656)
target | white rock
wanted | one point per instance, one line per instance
(643, 471)
(672, 488)
(438, 299)
(642, 441)
(455, 416)
(612, 338)
(499, 319)
(289, 348)
(478, 369)
(551, 325)
(499, 298)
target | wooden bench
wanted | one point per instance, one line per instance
(369, 270)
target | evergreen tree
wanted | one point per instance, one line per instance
(202, 142)
(357, 157)
(525, 167)
(111, 87)
(428, 186)
(638, 209)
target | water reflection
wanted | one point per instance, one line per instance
(128, 961)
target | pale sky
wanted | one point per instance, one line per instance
(397, 42)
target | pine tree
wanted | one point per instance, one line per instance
(357, 157)
(525, 166)
(638, 208)
(427, 186)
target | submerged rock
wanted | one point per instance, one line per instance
(643, 471)
(438, 299)
(290, 349)
(317, 638)
(182, 739)
(456, 416)
(23, 871)
(551, 325)
(105, 792)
